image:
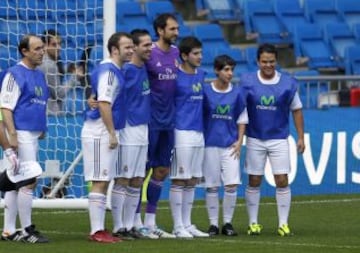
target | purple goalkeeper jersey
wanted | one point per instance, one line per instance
(162, 72)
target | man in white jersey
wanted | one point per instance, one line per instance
(24, 93)
(130, 171)
(271, 96)
(100, 133)
(186, 166)
(225, 118)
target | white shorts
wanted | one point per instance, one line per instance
(187, 163)
(258, 150)
(99, 159)
(28, 145)
(131, 161)
(220, 167)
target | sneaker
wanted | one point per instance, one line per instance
(146, 233)
(15, 237)
(123, 234)
(136, 234)
(182, 233)
(254, 229)
(34, 236)
(228, 230)
(162, 234)
(284, 230)
(196, 232)
(104, 236)
(213, 230)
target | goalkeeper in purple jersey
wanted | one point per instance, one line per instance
(225, 117)
(186, 167)
(270, 97)
(162, 72)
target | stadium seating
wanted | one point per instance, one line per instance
(339, 37)
(211, 35)
(260, 18)
(349, 10)
(184, 31)
(309, 43)
(322, 12)
(251, 57)
(221, 10)
(130, 13)
(154, 8)
(309, 91)
(290, 14)
(352, 60)
(207, 62)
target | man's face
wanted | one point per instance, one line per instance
(267, 65)
(194, 57)
(53, 47)
(171, 31)
(143, 50)
(126, 49)
(35, 53)
(225, 75)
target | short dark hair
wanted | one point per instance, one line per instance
(137, 33)
(48, 34)
(223, 60)
(189, 43)
(114, 40)
(25, 42)
(161, 20)
(266, 48)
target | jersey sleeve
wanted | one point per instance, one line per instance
(296, 103)
(10, 92)
(107, 87)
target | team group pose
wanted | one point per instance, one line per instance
(152, 114)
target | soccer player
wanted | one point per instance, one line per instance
(186, 167)
(134, 140)
(225, 118)
(24, 95)
(162, 71)
(271, 96)
(100, 133)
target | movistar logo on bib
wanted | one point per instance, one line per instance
(267, 103)
(222, 112)
(197, 87)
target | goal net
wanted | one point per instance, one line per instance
(80, 24)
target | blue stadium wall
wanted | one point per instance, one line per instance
(330, 165)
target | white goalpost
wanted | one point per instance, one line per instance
(84, 26)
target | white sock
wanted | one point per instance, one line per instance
(283, 201)
(97, 208)
(130, 205)
(118, 195)
(229, 203)
(212, 205)
(25, 198)
(137, 221)
(176, 202)
(252, 197)
(10, 212)
(149, 221)
(187, 204)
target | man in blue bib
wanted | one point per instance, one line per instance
(24, 96)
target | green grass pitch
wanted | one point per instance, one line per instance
(320, 224)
